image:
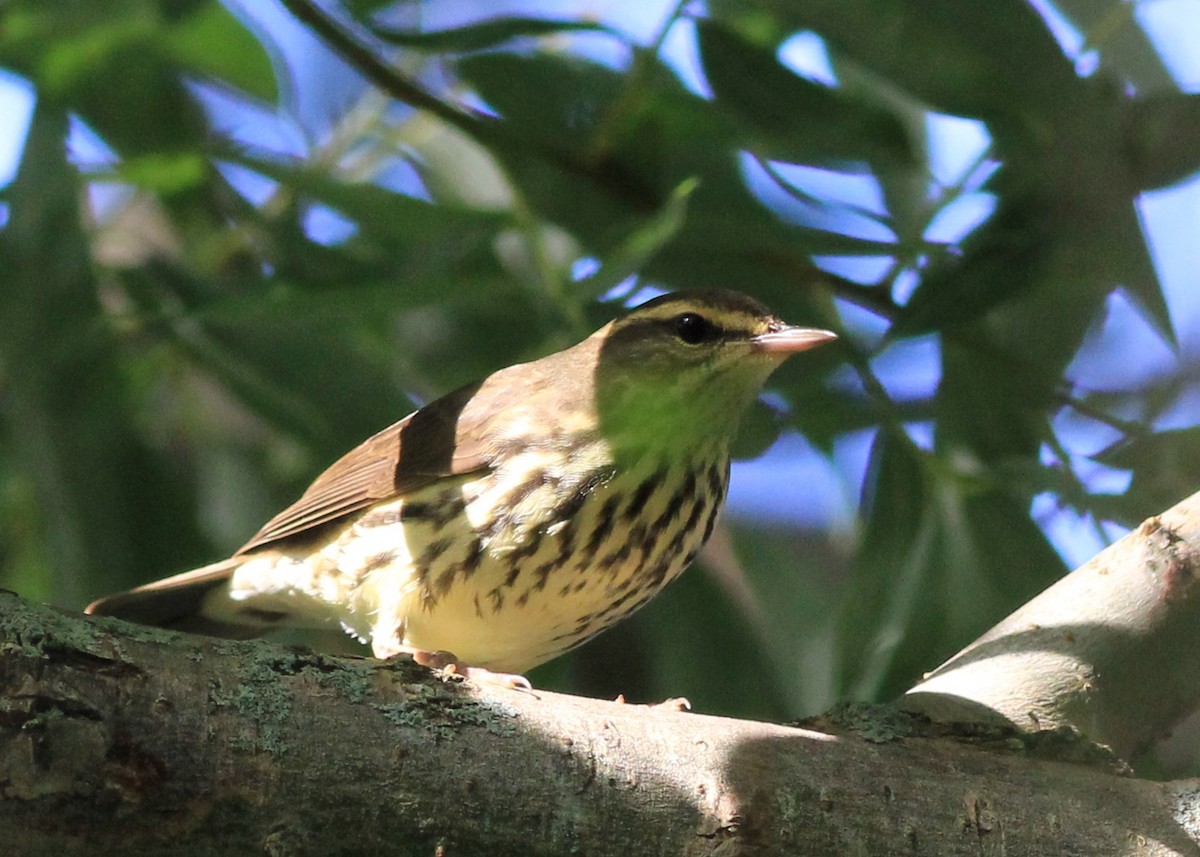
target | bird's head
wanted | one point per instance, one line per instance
(681, 369)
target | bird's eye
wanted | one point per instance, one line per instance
(694, 329)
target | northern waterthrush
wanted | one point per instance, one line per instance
(515, 518)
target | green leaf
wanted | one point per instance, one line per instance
(793, 119)
(1166, 469)
(557, 98)
(165, 173)
(419, 246)
(313, 378)
(959, 57)
(212, 42)
(1159, 134)
(556, 111)
(1127, 48)
(107, 65)
(111, 511)
(987, 558)
(632, 255)
(379, 212)
(364, 8)
(940, 562)
(485, 34)
(997, 266)
(892, 568)
(1129, 263)
(759, 430)
(991, 403)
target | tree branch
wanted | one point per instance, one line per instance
(121, 739)
(1110, 649)
(115, 737)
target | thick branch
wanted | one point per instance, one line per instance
(116, 739)
(1110, 650)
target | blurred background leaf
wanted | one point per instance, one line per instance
(227, 259)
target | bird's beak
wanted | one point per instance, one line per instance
(790, 340)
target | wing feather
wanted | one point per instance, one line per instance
(461, 433)
(440, 440)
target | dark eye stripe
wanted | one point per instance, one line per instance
(703, 329)
(656, 328)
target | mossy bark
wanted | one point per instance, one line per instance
(117, 739)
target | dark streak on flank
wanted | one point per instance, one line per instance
(473, 557)
(525, 551)
(542, 573)
(642, 496)
(683, 535)
(647, 538)
(613, 608)
(433, 551)
(568, 511)
(711, 522)
(423, 568)
(445, 580)
(677, 501)
(623, 583)
(693, 518)
(448, 506)
(601, 530)
(440, 511)
(717, 482)
(612, 561)
(569, 508)
(501, 521)
(657, 576)
(583, 626)
(690, 483)
(566, 542)
(416, 511)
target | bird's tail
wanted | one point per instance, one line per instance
(183, 603)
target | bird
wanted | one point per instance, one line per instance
(517, 517)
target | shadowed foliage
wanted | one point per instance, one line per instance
(227, 260)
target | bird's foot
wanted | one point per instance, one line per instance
(675, 703)
(447, 664)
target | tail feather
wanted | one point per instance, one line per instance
(178, 603)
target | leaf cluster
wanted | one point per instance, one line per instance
(229, 254)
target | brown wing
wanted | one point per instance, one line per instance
(176, 603)
(444, 438)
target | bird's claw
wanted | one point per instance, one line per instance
(447, 664)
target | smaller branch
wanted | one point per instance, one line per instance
(1109, 650)
(364, 60)
(1129, 428)
(495, 135)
